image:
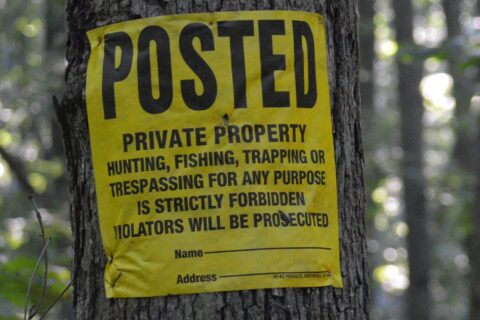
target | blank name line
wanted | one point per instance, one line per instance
(273, 273)
(267, 249)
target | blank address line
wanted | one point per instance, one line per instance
(326, 273)
(267, 249)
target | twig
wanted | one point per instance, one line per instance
(44, 249)
(18, 170)
(45, 275)
(35, 308)
(56, 300)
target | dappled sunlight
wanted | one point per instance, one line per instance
(391, 206)
(5, 115)
(387, 48)
(2, 170)
(447, 190)
(30, 28)
(15, 235)
(394, 278)
(5, 175)
(390, 254)
(5, 138)
(429, 29)
(381, 222)
(32, 63)
(400, 229)
(436, 89)
(475, 105)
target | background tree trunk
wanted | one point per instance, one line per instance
(367, 53)
(89, 300)
(410, 102)
(463, 90)
(464, 154)
(474, 249)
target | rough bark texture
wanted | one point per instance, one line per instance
(411, 114)
(89, 300)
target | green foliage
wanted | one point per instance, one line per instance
(32, 37)
(449, 189)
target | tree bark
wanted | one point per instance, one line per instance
(411, 114)
(89, 299)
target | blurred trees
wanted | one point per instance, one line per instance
(466, 152)
(32, 37)
(443, 56)
(366, 31)
(410, 104)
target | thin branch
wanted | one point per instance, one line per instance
(45, 275)
(44, 249)
(35, 308)
(18, 170)
(56, 300)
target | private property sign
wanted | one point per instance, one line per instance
(213, 154)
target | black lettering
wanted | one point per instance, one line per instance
(236, 30)
(270, 63)
(127, 140)
(199, 66)
(112, 74)
(184, 254)
(162, 45)
(301, 29)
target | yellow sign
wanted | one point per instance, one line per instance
(213, 153)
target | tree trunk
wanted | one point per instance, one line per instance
(474, 240)
(474, 248)
(89, 299)
(367, 54)
(463, 90)
(463, 154)
(411, 114)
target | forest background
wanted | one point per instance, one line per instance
(420, 72)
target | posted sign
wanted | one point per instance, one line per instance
(213, 154)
